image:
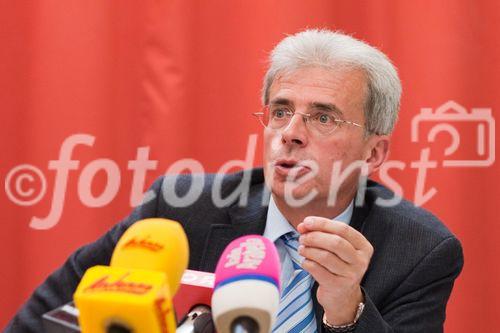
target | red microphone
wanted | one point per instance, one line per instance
(196, 288)
(192, 302)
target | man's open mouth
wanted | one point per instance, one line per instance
(291, 168)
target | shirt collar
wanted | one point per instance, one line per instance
(277, 225)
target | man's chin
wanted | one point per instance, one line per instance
(293, 194)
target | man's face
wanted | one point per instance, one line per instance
(287, 149)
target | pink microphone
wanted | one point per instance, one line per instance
(247, 286)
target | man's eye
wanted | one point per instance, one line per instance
(280, 113)
(324, 118)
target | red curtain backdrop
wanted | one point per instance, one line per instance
(183, 77)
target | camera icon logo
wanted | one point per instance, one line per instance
(449, 118)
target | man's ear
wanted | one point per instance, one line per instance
(377, 151)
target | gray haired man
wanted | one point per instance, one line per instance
(330, 103)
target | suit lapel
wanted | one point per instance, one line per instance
(244, 220)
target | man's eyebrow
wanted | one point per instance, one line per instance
(281, 101)
(329, 107)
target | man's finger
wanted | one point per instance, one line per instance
(320, 274)
(328, 260)
(315, 223)
(331, 243)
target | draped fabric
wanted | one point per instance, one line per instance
(172, 80)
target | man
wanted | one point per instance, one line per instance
(351, 262)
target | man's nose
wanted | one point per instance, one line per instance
(295, 133)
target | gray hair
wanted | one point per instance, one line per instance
(333, 49)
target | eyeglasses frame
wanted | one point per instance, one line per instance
(260, 116)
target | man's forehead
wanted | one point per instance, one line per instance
(320, 86)
(319, 76)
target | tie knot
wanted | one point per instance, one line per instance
(291, 240)
(291, 236)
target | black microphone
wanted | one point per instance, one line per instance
(198, 320)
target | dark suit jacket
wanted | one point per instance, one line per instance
(407, 285)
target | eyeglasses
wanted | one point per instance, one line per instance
(320, 121)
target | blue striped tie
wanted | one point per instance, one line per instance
(296, 312)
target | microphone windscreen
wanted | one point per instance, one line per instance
(154, 244)
(134, 293)
(116, 298)
(247, 286)
(249, 257)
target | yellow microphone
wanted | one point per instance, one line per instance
(134, 294)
